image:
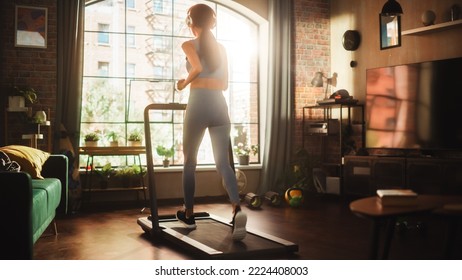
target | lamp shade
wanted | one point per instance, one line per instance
(391, 7)
(317, 80)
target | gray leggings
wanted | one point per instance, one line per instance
(207, 109)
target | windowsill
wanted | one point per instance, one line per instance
(200, 168)
(203, 168)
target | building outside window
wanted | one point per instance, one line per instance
(133, 58)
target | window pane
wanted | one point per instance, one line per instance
(113, 54)
(103, 100)
(110, 12)
(130, 63)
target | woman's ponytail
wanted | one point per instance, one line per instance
(201, 15)
(209, 50)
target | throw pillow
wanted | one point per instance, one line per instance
(7, 165)
(30, 159)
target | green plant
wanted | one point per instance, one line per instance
(299, 173)
(106, 171)
(128, 171)
(165, 152)
(135, 136)
(112, 136)
(92, 136)
(243, 150)
(27, 92)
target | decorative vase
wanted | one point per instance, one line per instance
(455, 12)
(243, 160)
(428, 18)
(40, 117)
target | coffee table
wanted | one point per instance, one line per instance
(371, 208)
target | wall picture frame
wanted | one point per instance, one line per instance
(31, 26)
(390, 31)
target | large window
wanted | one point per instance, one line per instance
(133, 57)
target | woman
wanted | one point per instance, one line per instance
(207, 67)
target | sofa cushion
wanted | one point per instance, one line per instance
(46, 195)
(52, 188)
(30, 159)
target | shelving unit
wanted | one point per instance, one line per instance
(38, 132)
(91, 152)
(433, 28)
(330, 129)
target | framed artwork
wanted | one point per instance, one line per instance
(390, 31)
(31, 27)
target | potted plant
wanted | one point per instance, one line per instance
(19, 96)
(113, 138)
(91, 139)
(167, 153)
(105, 174)
(135, 138)
(243, 152)
(129, 175)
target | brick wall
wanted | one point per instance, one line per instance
(34, 67)
(312, 54)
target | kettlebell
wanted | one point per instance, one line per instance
(294, 196)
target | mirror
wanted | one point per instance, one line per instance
(390, 31)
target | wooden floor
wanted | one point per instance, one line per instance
(324, 229)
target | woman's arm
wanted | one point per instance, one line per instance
(224, 58)
(196, 66)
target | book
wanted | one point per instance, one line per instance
(397, 197)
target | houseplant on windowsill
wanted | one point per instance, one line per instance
(166, 153)
(91, 139)
(105, 174)
(135, 138)
(243, 152)
(129, 176)
(113, 138)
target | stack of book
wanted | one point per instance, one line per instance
(396, 197)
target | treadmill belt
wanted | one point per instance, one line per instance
(213, 239)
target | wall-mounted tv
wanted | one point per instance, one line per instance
(415, 106)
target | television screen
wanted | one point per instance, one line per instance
(415, 106)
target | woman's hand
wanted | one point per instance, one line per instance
(180, 85)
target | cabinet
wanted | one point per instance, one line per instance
(363, 175)
(331, 134)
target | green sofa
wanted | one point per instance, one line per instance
(28, 206)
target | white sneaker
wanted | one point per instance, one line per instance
(239, 222)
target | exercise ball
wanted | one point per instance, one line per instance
(294, 196)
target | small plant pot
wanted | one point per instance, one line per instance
(166, 163)
(243, 160)
(91, 143)
(113, 144)
(16, 101)
(134, 143)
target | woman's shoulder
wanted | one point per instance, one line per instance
(190, 44)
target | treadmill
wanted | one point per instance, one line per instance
(212, 239)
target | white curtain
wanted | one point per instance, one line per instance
(280, 101)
